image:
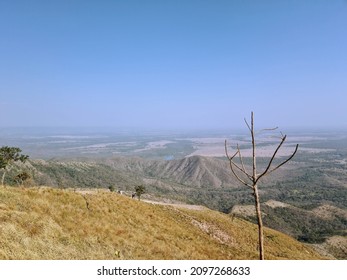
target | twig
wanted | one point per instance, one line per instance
(87, 203)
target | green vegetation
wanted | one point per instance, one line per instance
(9, 156)
(139, 190)
(305, 225)
(22, 178)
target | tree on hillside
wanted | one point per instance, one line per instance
(8, 156)
(139, 190)
(22, 177)
(251, 179)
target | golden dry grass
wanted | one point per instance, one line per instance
(46, 223)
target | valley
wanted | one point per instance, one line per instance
(306, 198)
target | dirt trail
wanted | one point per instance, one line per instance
(178, 205)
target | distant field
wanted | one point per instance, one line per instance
(45, 144)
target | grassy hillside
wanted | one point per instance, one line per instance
(306, 184)
(47, 223)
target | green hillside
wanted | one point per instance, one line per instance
(48, 223)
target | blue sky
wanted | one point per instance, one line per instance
(173, 63)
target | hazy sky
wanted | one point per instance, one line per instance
(173, 63)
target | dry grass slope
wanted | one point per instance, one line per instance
(46, 223)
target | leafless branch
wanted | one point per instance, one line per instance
(242, 164)
(248, 125)
(267, 129)
(87, 203)
(267, 170)
(272, 158)
(237, 176)
(233, 164)
(226, 151)
(288, 159)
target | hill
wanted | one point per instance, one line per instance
(306, 184)
(195, 179)
(324, 226)
(47, 223)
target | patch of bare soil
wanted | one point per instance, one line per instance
(329, 212)
(244, 210)
(334, 247)
(276, 204)
(210, 229)
(177, 205)
(213, 231)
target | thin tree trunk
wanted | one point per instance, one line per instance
(260, 223)
(256, 194)
(6, 169)
(3, 178)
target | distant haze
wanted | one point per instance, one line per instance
(173, 64)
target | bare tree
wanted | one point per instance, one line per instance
(251, 179)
